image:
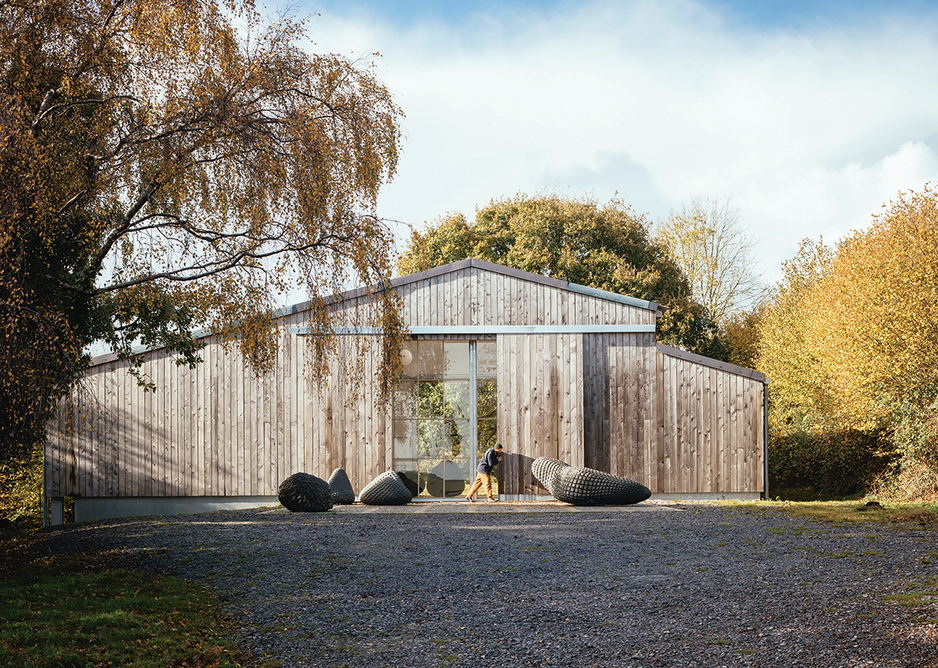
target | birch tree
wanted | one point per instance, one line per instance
(707, 240)
(171, 164)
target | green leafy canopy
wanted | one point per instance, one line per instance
(578, 240)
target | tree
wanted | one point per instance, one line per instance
(810, 446)
(166, 165)
(879, 334)
(708, 243)
(801, 398)
(850, 341)
(741, 332)
(605, 247)
(879, 345)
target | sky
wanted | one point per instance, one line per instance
(809, 115)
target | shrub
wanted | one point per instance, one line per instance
(914, 470)
(21, 486)
(839, 463)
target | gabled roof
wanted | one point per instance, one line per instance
(453, 267)
(528, 276)
(450, 268)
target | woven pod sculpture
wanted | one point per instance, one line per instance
(385, 490)
(545, 470)
(305, 493)
(342, 492)
(588, 487)
(408, 483)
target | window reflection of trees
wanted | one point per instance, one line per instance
(443, 418)
(486, 413)
(432, 413)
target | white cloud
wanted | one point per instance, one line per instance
(810, 132)
(832, 203)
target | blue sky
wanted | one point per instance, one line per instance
(810, 115)
(788, 14)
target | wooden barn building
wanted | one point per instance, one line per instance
(543, 366)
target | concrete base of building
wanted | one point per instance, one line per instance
(722, 496)
(727, 496)
(99, 508)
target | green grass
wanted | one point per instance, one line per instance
(80, 612)
(923, 593)
(850, 512)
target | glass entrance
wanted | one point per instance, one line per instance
(444, 414)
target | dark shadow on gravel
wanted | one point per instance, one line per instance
(701, 586)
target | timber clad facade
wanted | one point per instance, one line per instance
(545, 367)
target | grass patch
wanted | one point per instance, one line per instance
(80, 611)
(850, 512)
(111, 616)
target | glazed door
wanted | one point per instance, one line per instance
(444, 414)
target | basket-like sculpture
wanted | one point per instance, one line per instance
(342, 492)
(545, 469)
(588, 487)
(408, 483)
(305, 493)
(385, 490)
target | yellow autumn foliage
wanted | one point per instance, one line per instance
(850, 341)
(874, 317)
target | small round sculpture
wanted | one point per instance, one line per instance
(342, 492)
(305, 493)
(545, 469)
(386, 490)
(588, 487)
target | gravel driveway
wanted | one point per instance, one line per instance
(548, 584)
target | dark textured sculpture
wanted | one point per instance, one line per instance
(341, 486)
(545, 469)
(408, 483)
(386, 490)
(305, 493)
(588, 487)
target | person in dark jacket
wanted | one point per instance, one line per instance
(490, 460)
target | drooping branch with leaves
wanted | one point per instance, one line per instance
(171, 165)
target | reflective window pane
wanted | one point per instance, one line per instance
(486, 357)
(456, 354)
(431, 363)
(408, 467)
(457, 480)
(456, 435)
(431, 439)
(430, 400)
(456, 399)
(409, 359)
(486, 399)
(430, 477)
(405, 439)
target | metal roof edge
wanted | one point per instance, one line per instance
(712, 363)
(614, 296)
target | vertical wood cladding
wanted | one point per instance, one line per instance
(611, 401)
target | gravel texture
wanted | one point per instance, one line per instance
(547, 585)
